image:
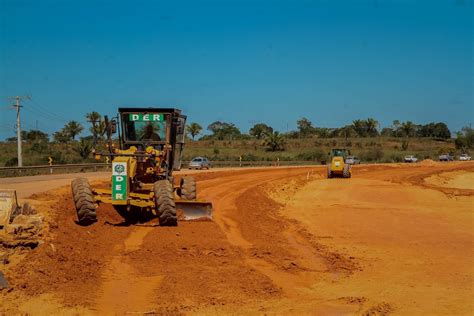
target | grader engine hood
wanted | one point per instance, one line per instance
(337, 163)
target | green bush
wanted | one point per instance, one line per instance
(316, 154)
(374, 154)
(12, 162)
(404, 144)
(38, 147)
(396, 158)
(249, 157)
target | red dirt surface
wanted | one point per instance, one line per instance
(284, 241)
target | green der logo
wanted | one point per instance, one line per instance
(119, 168)
(146, 117)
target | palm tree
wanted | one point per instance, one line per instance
(83, 148)
(61, 136)
(98, 126)
(73, 128)
(346, 131)
(275, 142)
(194, 129)
(360, 127)
(408, 128)
(371, 126)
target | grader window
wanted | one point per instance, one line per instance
(145, 127)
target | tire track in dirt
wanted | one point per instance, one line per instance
(122, 286)
(417, 173)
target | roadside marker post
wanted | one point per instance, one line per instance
(50, 162)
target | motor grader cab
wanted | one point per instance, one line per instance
(337, 164)
(150, 145)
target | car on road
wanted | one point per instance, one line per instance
(199, 163)
(352, 160)
(446, 157)
(464, 157)
(410, 159)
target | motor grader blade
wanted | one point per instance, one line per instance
(194, 210)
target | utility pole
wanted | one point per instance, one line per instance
(18, 125)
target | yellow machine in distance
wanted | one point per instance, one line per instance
(337, 166)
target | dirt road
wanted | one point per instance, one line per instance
(392, 239)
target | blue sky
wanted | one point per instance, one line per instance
(239, 61)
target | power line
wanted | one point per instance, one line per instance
(5, 127)
(44, 112)
(48, 112)
(44, 115)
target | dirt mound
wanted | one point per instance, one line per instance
(428, 162)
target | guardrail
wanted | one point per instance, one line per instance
(47, 169)
(95, 167)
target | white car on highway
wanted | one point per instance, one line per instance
(352, 160)
(464, 157)
(410, 158)
(200, 163)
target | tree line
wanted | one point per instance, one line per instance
(272, 140)
(369, 127)
(305, 128)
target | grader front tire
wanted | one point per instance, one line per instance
(164, 202)
(84, 201)
(329, 173)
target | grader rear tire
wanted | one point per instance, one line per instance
(346, 173)
(164, 202)
(188, 188)
(84, 202)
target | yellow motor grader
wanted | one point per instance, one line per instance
(150, 146)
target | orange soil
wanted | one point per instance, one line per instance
(284, 241)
